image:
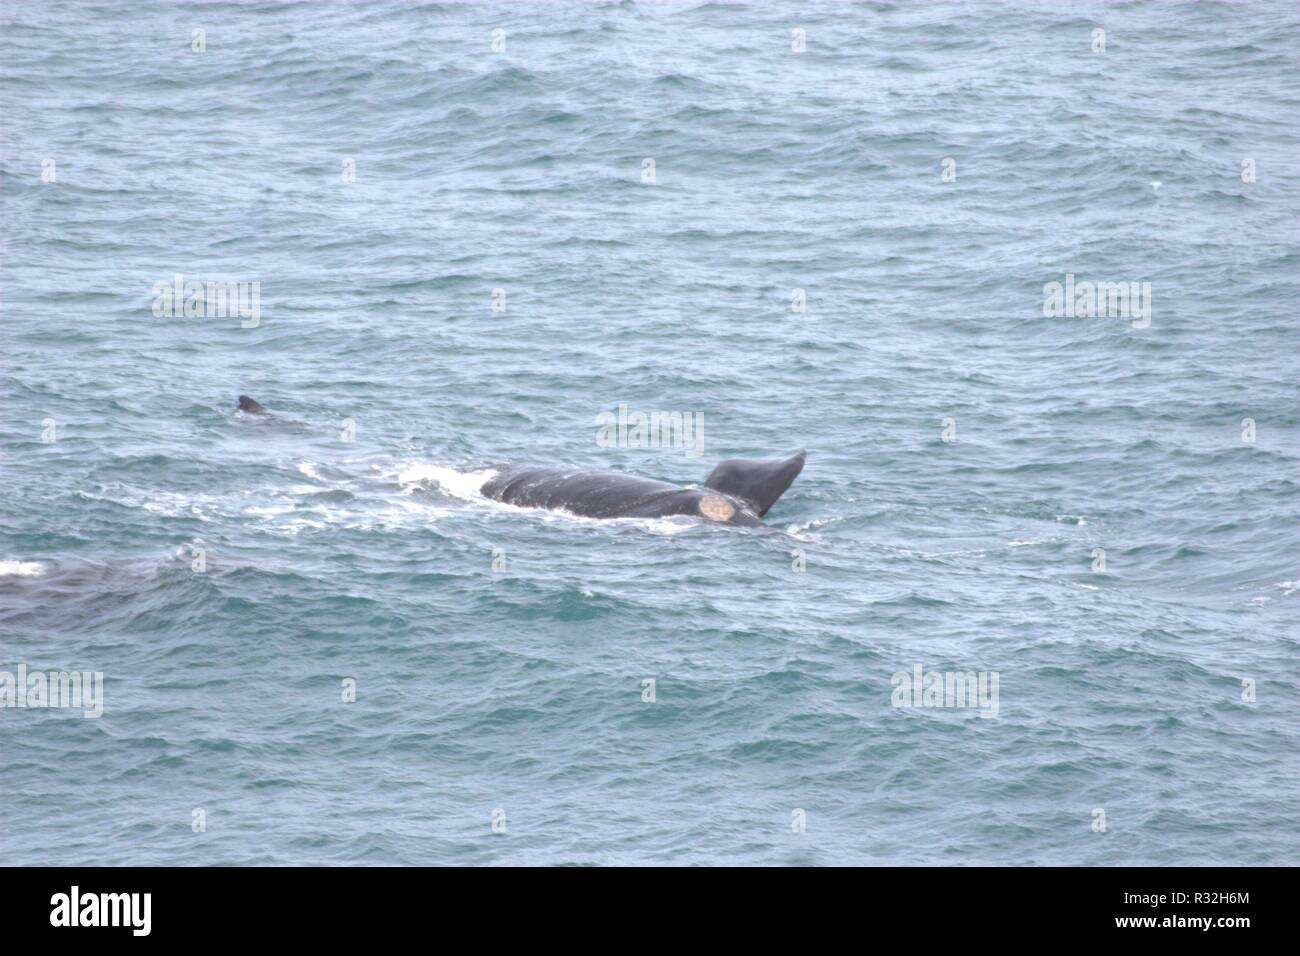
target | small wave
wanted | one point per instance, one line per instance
(168, 504)
(799, 527)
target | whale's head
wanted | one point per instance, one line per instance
(251, 406)
(702, 503)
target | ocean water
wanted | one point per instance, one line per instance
(921, 171)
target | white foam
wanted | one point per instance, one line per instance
(21, 569)
(459, 484)
(797, 528)
(669, 524)
(308, 469)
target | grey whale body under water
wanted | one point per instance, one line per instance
(738, 491)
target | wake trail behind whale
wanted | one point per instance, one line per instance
(459, 484)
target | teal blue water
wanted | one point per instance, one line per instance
(338, 543)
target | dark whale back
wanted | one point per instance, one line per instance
(593, 494)
(609, 494)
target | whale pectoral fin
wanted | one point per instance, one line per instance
(758, 482)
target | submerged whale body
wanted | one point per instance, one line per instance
(738, 492)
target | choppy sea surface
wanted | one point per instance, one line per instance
(1077, 505)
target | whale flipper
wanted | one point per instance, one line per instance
(755, 481)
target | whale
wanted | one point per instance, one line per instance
(251, 406)
(738, 492)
